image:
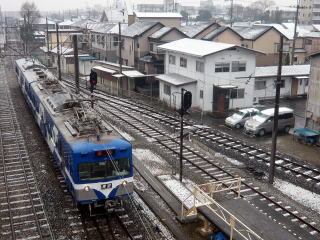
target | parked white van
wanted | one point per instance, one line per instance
(262, 123)
(238, 119)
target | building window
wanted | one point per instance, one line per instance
(183, 62)
(115, 41)
(237, 93)
(308, 42)
(238, 66)
(167, 89)
(199, 66)
(201, 94)
(172, 59)
(260, 85)
(222, 67)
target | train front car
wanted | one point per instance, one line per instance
(102, 170)
(95, 161)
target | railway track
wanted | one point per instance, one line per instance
(203, 166)
(114, 223)
(294, 170)
(22, 212)
(207, 168)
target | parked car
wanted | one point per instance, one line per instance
(238, 119)
(262, 123)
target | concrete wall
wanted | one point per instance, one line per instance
(313, 103)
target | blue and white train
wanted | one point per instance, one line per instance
(95, 162)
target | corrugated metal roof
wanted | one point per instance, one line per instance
(138, 28)
(215, 33)
(175, 79)
(290, 70)
(158, 15)
(193, 30)
(161, 32)
(251, 33)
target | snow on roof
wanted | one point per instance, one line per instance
(175, 79)
(199, 48)
(286, 32)
(84, 23)
(103, 27)
(158, 15)
(66, 23)
(251, 33)
(215, 33)
(104, 69)
(138, 28)
(43, 21)
(63, 50)
(290, 70)
(194, 30)
(161, 32)
(132, 73)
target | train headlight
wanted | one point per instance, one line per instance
(87, 188)
(124, 183)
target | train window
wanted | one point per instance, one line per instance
(91, 171)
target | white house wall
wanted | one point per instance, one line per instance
(209, 78)
(270, 91)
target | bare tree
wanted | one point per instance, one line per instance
(30, 12)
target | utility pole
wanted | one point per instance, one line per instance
(295, 33)
(120, 54)
(25, 35)
(231, 14)
(276, 115)
(181, 134)
(47, 28)
(58, 52)
(76, 62)
(5, 31)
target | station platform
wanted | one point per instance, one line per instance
(250, 215)
(265, 227)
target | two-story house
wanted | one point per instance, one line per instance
(154, 62)
(104, 41)
(217, 74)
(260, 38)
(135, 42)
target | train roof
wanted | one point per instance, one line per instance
(74, 117)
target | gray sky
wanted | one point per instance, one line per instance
(47, 5)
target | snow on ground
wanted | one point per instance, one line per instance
(181, 190)
(153, 218)
(153, 162)
(299, 194)
(231, 160)
(124, 134)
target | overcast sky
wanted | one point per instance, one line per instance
(47, 5)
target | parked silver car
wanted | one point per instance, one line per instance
(238, 119)
(263, 121)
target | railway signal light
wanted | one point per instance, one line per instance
(187, 100)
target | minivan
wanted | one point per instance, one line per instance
(262, 123)
(238, 119)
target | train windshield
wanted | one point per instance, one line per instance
(90, 171)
